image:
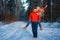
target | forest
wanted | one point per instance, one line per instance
(19, 10)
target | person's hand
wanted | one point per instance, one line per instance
(25, 27)
(41, 28)
(46, 6)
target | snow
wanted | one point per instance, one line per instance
(15, 31)
(1, 23)
(51, 25)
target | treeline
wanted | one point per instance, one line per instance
(7, 10)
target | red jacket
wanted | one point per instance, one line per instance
(35, 16)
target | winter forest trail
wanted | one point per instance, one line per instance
(15, 31)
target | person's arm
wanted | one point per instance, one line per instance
(44, 7)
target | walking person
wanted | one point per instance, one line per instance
(35, 19)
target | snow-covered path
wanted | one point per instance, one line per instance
(15, 31)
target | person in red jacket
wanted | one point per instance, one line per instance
(35, 17)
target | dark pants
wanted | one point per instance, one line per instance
(34, 28)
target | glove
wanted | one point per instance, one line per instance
(25, 27)
(41, 28)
